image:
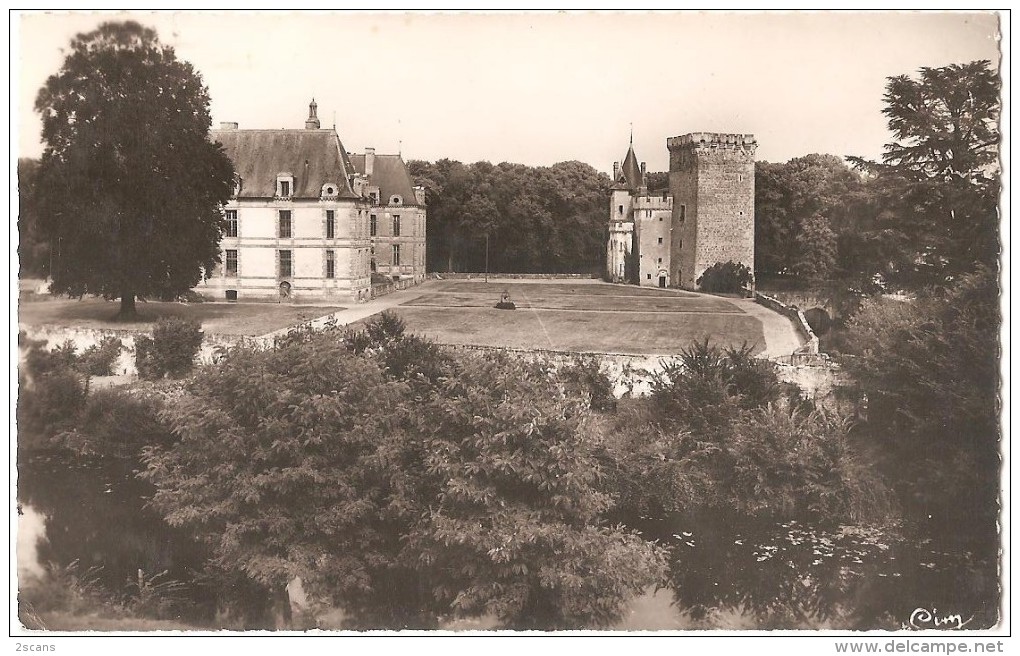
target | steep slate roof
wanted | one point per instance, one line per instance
(631, 170)
(390, 174)
(314, 157)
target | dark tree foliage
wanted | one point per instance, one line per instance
(723, 435)
(33, 243)
(929, 372)
(944, 164)
(657, 181)
(799, 205)
(725, 277)
(129, 187)
(538, 219)
(401, 482)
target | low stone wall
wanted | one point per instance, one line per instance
(514, 276)
(385, 288)
(795, 315)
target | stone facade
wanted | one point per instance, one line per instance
(707, 216)
(299, 221)
(711, 179)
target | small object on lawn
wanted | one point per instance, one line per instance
(505, 303)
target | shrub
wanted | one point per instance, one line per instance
(725, 278)
(118, 424)
(170, 351)
(585, 378)
(98, 360)
(51, 393)
(387, 326)
(49, 404)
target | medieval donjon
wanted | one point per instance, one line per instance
(668, 239)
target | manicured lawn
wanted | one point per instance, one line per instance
(587, 287)
(539, 298)
(586, 316)
(216, 318)
(561, 330)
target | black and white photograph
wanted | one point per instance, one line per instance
(532, 323)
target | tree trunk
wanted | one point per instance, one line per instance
(127, 307)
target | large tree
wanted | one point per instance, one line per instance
(130, 186)
(402, 482)
(945, 155)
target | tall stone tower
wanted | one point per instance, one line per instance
(711, 179)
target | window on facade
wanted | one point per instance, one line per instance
(660, 240)
(660, 261)
(285, 224)
(285, 188)
(330, 264)
(649, 276)
(679, 243)
(396, 225)
(231, 223)
(621, 209)
(683, 212)
(286, 265)
(230, 262)
(372, 225)
(660, 218)
(330, 224)
(396, 254)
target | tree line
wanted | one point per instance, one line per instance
(544, 219)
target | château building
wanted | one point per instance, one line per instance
(309, 220)
(707, 216)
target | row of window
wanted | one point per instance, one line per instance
(286, 226)
(285, 268)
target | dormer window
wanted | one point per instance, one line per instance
(395, 200)
(284, 185)
(237, 186)
(330, 190)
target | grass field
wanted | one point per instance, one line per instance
(217, 318)
(577, 317)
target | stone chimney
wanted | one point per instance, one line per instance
(369, 161)
(312, 122)
(228, 125)
(616, 171)
(419, 195)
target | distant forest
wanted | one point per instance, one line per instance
(547, 219)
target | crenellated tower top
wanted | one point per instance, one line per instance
(697, 140)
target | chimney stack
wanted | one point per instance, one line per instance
(312, 123)
(616, 171)
(369, 161)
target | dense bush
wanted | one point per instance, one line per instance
(117, 423)
(725, 278)
(402, 487)
(48, 404)
(585, 378)
(170, 351)
(929, 372)
(51, 392)
(722, 433)
(99, 360)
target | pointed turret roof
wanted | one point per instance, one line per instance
(630, 172)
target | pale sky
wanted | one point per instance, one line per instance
(546, 87)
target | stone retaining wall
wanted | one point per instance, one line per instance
(799, 322)
(514, 276)
(83, 338)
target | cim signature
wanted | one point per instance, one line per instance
(922, 618)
